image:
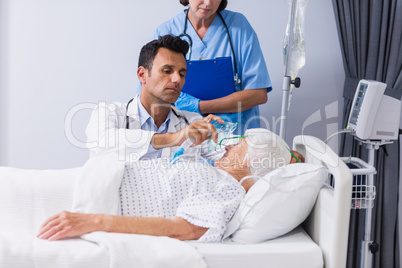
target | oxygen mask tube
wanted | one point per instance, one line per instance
(183, 147)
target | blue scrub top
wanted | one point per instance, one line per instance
(251, 66)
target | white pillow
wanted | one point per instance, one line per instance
(277, 203)
(97, 187)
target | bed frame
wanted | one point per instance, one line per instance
(328, 223)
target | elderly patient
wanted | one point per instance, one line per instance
(195, 204)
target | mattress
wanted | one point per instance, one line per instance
(295, 249)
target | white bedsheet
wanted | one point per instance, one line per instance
(29, 197)
(295, 249)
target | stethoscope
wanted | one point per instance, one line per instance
(184, 34)
(179, 116)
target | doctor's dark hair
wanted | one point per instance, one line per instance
(148, 52)
(221, 7)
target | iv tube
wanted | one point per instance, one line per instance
(293, 55)
(293, 46)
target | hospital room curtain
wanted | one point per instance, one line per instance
(370, 35)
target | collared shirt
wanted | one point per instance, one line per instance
(147, 123)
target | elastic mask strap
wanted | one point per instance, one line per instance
(235, 137)
(297, 159)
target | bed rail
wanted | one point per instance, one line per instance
(328, 223)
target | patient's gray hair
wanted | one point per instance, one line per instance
(267, 151)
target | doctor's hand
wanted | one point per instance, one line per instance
(200, 130)
(67, 224)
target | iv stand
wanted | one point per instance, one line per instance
(287, 80)
(369, 247)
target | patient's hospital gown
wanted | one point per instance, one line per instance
(195, 191)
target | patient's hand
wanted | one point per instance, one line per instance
(68, 224)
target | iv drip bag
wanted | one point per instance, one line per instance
(294, 47)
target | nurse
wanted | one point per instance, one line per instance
(214, 32)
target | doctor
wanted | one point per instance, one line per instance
(214, 32)
(147, 126)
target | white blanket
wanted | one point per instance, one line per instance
(29, 197)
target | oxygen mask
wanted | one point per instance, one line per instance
(224, 130)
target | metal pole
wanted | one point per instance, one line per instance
(366, 254)
(287, 79)
(285, 101)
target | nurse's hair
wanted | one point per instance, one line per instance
(149, 51)
(266, 151)
(221, 7)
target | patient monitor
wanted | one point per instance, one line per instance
(374, 116)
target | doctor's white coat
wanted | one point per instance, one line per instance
(106, 132)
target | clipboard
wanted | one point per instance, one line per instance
(209, 79)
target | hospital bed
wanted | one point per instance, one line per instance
(28, 197)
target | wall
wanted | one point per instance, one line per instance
(60, 57)
(3, 86)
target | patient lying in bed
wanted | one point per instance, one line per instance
(196, 204)
(194, 191)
